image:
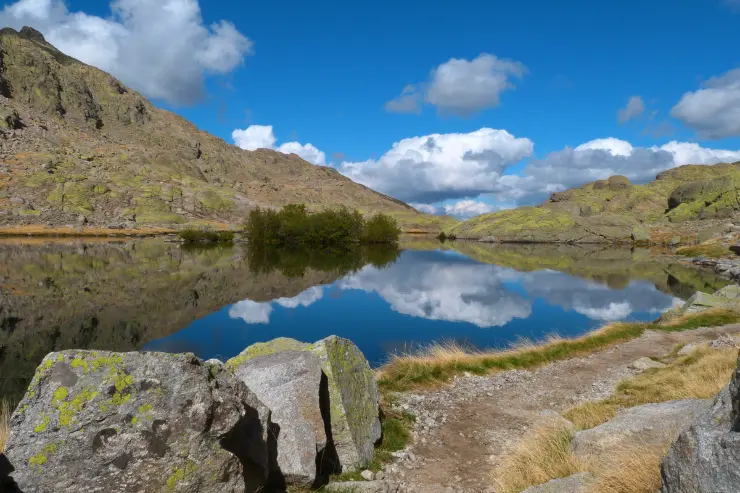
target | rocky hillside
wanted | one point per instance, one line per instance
(78, 146)
(683, 205)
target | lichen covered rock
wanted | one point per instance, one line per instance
(353, 394)
(137, 422)
(289, 383)
(706, 456)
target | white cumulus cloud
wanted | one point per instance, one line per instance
(160, 48)
(601, 158)
(441, 166)
(714, 110)
(461, 87)
(263, 137)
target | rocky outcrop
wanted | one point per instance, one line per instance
(614, 211)
(727, 298)
(81, 143)
(706, 456)
(577, 483)
(290, 384)
(144, 422)
(650, 424)
(353, 396)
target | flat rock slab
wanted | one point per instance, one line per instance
(651, 424)
(289, 383)
(361, 487)
(354, 399)
(577, 483)
(643, 364)
(137, 422)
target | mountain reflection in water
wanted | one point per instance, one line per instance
(153, 295)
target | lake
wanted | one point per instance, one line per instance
(152, 295)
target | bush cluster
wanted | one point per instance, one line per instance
(293, 225)
(204, 236)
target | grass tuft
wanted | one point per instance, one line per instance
(437, 364)
(630, 470)
(5, 413)
(544, 453)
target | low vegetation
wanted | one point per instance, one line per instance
(5, 413)
(206, 236)
(444, 237)
(711, 250)
(545, 452)
(293, 225)
(437, 364)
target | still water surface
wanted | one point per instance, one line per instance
(152, 295)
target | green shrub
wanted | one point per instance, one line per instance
(381, 228)
(294, 226)
(203, 236)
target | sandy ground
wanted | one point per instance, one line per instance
(463, 430)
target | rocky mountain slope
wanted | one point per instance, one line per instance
(78, 146)
(683, 205)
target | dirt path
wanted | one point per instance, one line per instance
(463, 429)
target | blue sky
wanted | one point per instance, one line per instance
(554, 74)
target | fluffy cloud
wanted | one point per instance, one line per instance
(442, 166)
(713, 111)
(601, 158)
(462, 208)
(253, 312)
(263, 137)
(635, 108)
(161, 48)
(460, 86)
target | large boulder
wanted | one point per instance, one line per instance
(138, 422)
(727, 298)
(289, 383)
(706, 456)
(650, 424)
(354, 399)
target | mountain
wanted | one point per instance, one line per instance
(78, 146)
(683, 205)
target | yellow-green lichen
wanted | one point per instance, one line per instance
(42, 426)
(180, 475)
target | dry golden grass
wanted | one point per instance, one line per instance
(545, 453)
(5, 413)
(629, 470)
(43, 230)
(699, 375)
(542, 454)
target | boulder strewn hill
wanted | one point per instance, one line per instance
(616, 211)
(76, 145)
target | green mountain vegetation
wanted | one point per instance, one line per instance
(79, 147)
(683, 205)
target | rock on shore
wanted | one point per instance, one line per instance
(706, 457)
(282, 413)
(144, 422)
